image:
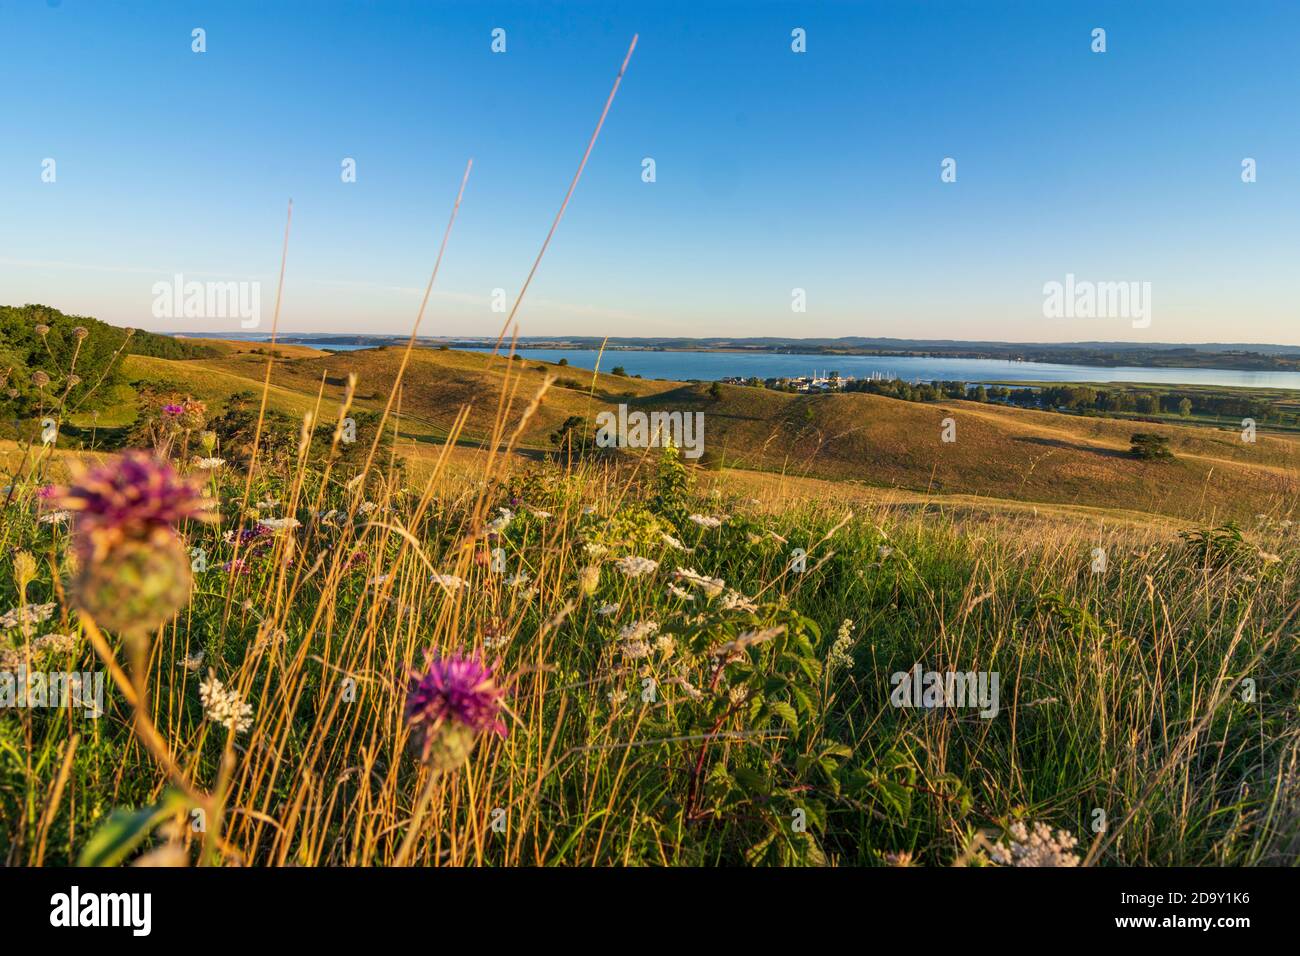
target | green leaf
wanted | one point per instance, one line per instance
(785, 712)
(125, 829)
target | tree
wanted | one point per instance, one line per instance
(1149, 447)
(1184, 406)
(572, 439)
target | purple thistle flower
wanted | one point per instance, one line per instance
(134, 497)
(173, 409)
(449, 704)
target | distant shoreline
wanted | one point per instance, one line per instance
(1227, 357)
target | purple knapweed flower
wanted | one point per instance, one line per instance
(135, 496)
(173, 409)
(449, 704)
(133, 571)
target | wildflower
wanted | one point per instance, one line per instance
(279, 524)
(450, 581)
(136, 496)
(518, 579)
(735, 601)
(42, 330)
(26, 615)
(884, 551)
(589, 579)
(693, 692)
(680, 593)
(1039, 848)
(539, 514)
(40, 379)
(501, 521)
(638, 631)
(208, 441)
(223, 705)
(634, 565)
(605, 610)
(55, 517)
(448, 705)
(366, 507)
(635, 650)
(617, 697)
(53, 644)
(674, 542)
(134, 571)
(901, 858)
(710, 586)
(209, 464)
(74, 381)
(665, 644)
(839, 655)
(268, 503)
(173, 410)
(706, 521)
(194, 661)
(24, 569)
(80, 332)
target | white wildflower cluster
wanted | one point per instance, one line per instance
(450, 581)
(605, 610)
(267, 503)
(735, 601)
(55, 517)
(706, 521)
(674, 542)
(634, 565)
(518, 579)
(54, 644)
(840, 655)
(502, 521)
(13, 657)
(680, 593)
(638, 631)
(1038, 848)
(209, 464)
(26, 615)
(710, 586)
(279, 524)
(224, 706)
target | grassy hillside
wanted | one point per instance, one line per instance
(999, 452)
(683, 662)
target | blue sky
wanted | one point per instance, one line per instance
(775, 170)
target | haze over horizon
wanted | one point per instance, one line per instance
(775, 170)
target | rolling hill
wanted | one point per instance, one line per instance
(999, 452)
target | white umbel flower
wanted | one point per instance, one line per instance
(224, 706)
(1042, 847)
(634, 565)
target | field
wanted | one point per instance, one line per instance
(689, 664)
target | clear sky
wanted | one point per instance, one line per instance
(775, 170)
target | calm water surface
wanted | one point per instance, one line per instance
(682, 366)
